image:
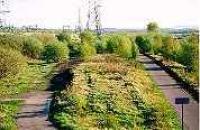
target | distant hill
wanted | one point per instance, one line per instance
(179, 30)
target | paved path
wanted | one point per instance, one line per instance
(34, 112)
(173, 89)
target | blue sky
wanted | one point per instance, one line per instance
(115, 13)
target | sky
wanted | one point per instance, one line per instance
(114, 13)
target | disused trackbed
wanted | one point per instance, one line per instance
(172, 89)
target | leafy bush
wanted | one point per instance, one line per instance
(157, 43)
(124, 47)
(144, 44)
(100, 46)
(64, 37)
(121, 45)
(189, 54)
(112, 44)
(55, 52)
(135, 50)
(45, 38)
(74, 49)
(11, 62)
(171, 48)
(88, 37)
(87, 47)
(87, 51)
(12, 40)
(32, 48)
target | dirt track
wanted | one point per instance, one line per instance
(172, 89)
(34, 112)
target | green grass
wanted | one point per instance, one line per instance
(108, 92)
(8, 110)
(191, 78)
(34, 77)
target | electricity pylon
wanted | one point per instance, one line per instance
(94, 16)
(4, 10)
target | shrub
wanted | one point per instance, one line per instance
(135, 50)
(87, 50)
(88, 37)
(32, 48)
(74, 49)
(189, 54)
(11, 62)
(13, 41)
(100, 46)
(124, 47)
(112, 44)
(64, 37)
(144, 44)
(121, 45)
(55, 52)
(171, 48)
(45, 38)
(157, 43)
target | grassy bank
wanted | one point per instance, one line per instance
(33, 77)
(8, 110)
(108, 92)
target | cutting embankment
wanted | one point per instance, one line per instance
(110, 92)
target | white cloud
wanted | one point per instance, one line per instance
(115, 13)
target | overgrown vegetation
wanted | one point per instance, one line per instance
(108, 92)
(55, 52)
(121, 45)
(34, 77)
(144, 44)
(21, 70)
(184, 51)
(8, 110)
(11, 62)
(32, 48)
(45, 38)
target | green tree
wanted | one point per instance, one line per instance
(152, 27)
(88, 37)
(157, 43)
(55, 52)
(171, 48)
(144, 44)
(87, 45)
(189, 55)
(112, 43)
(124, 47)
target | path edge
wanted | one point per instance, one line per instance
(186, 86)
